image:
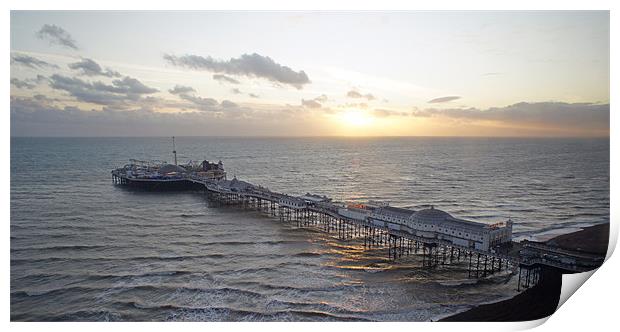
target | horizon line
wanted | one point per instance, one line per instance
(313, 136)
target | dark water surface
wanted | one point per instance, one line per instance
(83, 249)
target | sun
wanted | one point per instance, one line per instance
(355, 118)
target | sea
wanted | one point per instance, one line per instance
(84, 249)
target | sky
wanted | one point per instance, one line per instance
(420, 73)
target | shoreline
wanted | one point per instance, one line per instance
(541, 300)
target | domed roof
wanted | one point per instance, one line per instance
(168, 168)
(431, 215)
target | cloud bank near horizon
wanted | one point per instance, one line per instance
(587, 116)
(41, 115)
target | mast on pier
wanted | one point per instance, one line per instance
(174, 151)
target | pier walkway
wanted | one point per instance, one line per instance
(527, 255)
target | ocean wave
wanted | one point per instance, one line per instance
(191, 215)
(99, 277)
(458, 282)
(307, 254)
(229, 314)
(103, 259)
(62, 247)
(51, 292)
(87, 315)
(237, 243)
(135, 288)
(310, 307)
(303, 289)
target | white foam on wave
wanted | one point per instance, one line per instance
(548, 234)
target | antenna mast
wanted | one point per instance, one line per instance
(174, 150)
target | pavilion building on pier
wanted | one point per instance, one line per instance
(433, 223)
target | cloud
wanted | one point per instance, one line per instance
(322, 98)
(354, 105)
(187, 94)
(39, 116)
(314, 102)
(127, 85)
(28, 83)
(253, 95)
(384, 113)
(89, 67)
(22, 84)
(236, 91)
(443, 99)
(310, 103)
(119, 93)
(31, 62)
(204, 104)
(56, 35)
(228, 104)
(250, 65)
(225, 79)
(355, 94)
(181, 89)
(46, 117)
(584, 116)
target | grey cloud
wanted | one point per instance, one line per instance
(181, 89)
(228, 104)
(187, 94)
(224, 78)
(443, 99)
(127, 85)
(550, 114)
(310, 103)
(22, 84)
(35, 117)
(118, 93)
(203, 104)
(253, 95)
(196, 102)
(250, 65)
(89, 67)
(31, 62)
(236, 91)
(356, 94)
(322, 98)
(314, 102)
(57, 35)
(41, 117)
(384, 113)
(28, 83)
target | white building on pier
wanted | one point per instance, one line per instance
(432, 223)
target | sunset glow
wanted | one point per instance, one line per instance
(355, 118)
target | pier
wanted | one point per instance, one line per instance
(434, 234)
